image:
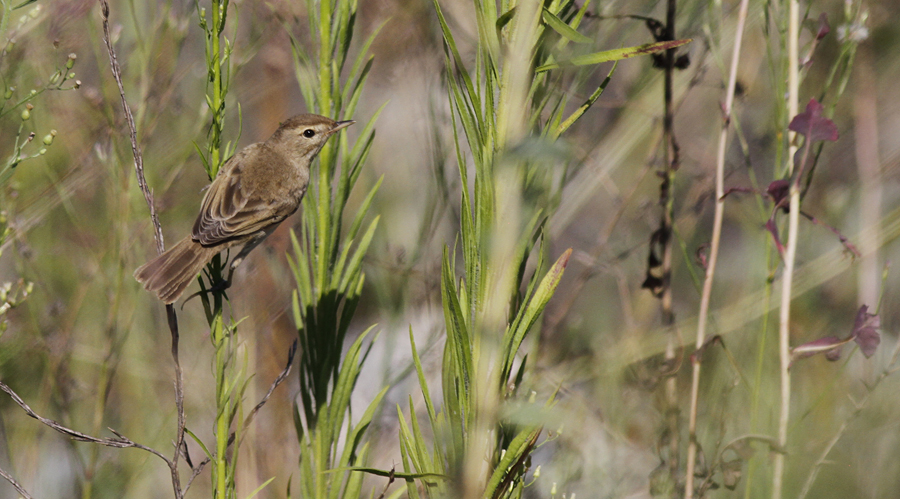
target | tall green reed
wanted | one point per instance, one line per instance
(511, 107)
(327, 260)
(230, 372)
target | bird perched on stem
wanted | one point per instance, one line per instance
(254, 191)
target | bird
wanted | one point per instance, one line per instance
(253, 192)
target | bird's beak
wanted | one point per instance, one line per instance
(341, 124)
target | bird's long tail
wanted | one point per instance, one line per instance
(169, 274)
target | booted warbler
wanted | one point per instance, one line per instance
(254, 191)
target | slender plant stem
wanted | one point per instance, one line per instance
(672, 161)
(160, 247)
(220, 335)
(217, 87)
(790, 254)
(713, 251)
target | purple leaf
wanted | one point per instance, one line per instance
(813, 125)
(773, 229)
(731, 190)
(865, 331)
(824, 28)
(703, 257)
(778, 191)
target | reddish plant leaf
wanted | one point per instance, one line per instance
(846, 242)
(813, 125)
(865, 331)
(703, 257)
(824, 28)
(698, 353)
(732, 190)
(833, 355)
(773, 229)
(778, 191)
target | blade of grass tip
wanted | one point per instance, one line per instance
(615, 55)
(343, 387)
(411, 488)
(520, 444)
(420, 372)
(556, 114)
(361, 427)
(457, 67)
(364, 209)
(352, 92)
(563, 29)
(529, 292)
(199, 442)
(489, 43)
(363, 54)
(367, 131)
(468, 117)
(301, 73)
(364, 141)
(504, 19)
(453, 410)
(345, 20)
(350, 306)
(456, 325)
(353, 487)
(537, 303)
(260, 488)
(578, 113)
(356, 261)
(407, 445)
(354, 229)
(419, 440)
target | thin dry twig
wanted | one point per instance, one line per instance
(119, 442)
(160, 247)
(713, 252)
(21, 490)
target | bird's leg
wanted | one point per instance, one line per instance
(248, 247)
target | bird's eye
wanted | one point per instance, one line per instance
(309, 133)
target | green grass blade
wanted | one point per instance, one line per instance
(562, 28)
(615, 55)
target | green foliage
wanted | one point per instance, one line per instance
(327, 260)
(230, 375)
(509, 86)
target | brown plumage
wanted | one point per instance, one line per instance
(254, 191)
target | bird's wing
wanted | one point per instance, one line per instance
(231, 210)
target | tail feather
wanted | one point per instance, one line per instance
(169, 274)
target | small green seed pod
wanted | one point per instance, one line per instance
(71, 60)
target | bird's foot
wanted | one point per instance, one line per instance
(218, 287)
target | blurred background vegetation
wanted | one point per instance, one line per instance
(90, 349)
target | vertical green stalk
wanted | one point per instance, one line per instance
(218, 61)
(216, 142)
(327, 261)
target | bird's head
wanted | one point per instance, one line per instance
(305, 134)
